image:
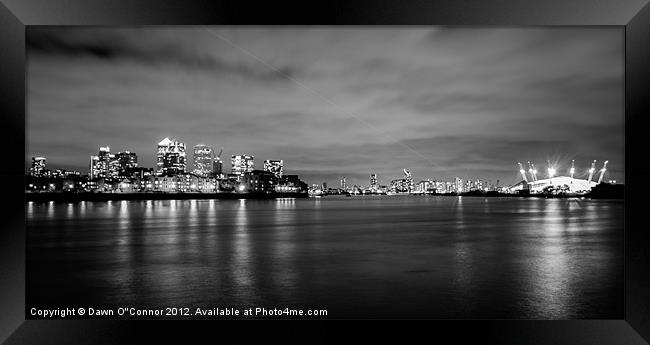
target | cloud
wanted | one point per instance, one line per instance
(114, 45)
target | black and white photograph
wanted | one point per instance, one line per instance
(321, 172)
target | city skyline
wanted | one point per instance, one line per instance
(121, 166)
(440, 102)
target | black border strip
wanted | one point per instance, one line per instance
(637, 172)
(633, 14)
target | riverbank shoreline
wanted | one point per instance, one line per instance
(78, 197)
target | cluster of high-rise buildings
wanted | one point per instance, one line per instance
(38, 169)
(108, 165)
(119, 172)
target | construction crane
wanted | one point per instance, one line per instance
(523, 172)
(602, 172)
(219, 156)
(591, 171)
(573, 168)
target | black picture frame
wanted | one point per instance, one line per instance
(634, 15)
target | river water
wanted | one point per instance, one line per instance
(356, 257)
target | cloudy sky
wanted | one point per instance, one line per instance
(439, 101)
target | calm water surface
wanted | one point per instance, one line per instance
(427, 256)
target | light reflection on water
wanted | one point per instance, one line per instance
(50, 209)
(442, 257)
(243, 278)
(284, 246)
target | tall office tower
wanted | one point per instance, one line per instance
(113, 166)
(101, 163)
(104, 159)
(93, 167)
(373, 180)
(217, 166)
(408, 180)
(38, 166)
(274, 166)
(343, 184)
(121, 163)
(458, 185)
(242, 164)
(126, 160)
(203, 160)
(170, 157)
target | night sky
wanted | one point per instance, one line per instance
(439, 101)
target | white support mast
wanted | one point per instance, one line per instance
(523, 172)
(573, 168)
(602, 172)
(534, 173)
(530, 171)
(591, 171)
(551, 170)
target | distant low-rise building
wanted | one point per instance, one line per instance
(135, 172)
(426, 186)
(291, 184)
(399, 186)
(126, 186)
(166, 184)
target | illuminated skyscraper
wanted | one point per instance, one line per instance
(373, 180)
(242, 164)
(408, 180)
(93, 167)
(217, 166)
(458, 185)
(170, 157)
(203, 160)
(126, 160)
(274, 166)
(122, 164)
(100, 164)
(38, 166)
(343, 183)
(113, 166)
